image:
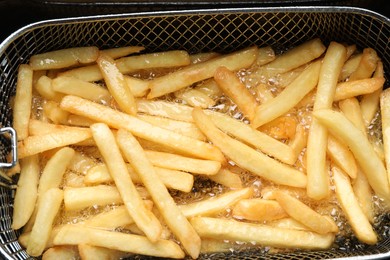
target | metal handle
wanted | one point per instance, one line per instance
(11, 133)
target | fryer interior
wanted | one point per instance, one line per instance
(195, 31)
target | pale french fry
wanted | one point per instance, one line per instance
(350, 206)
(108, 148)
(363, 193)
(88, 252)
(84, 89)
(293, 58)
(214, 245)
(366, 66)
(299, 142)
(304, 214)
(266, 55)
(385, 115)
(81, 163)
(216, 204)
(341, 156)
(288, 223)
(253, 137)
(289, 97)
(286, 78)
(357, 87)
(89, 73)
(64, 58)
(268, 193)
(73, 180)
(352, 110)
(248, 158)
(258, 210)
(40, 143)
(23, 100)
(47, 210)
(317, 175)
(172, 215)
(351, 49)
(210, 88)
(350, 66)
(26, 192)
(45, 89)
(60, 253)
(70, 235)
(116, 84)
(141, 128)
(75, 120)
(231, 85)
(361, 148)
(263, 94)
(120, 52)
(138, 87)
(260, 234)
(203, 56)
(227, 178)
(25, 236)
(185, 128)
(165, 109)
(53, 112)
(195, 98)
(181, 163)
(201, 71)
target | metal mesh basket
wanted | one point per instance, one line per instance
(202, 30)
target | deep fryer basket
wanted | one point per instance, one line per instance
(221, 30)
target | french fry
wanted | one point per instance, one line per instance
(265, 55)
(88, 252)
(25, 236)
(258, 210)
(317, 175)
(120, 52)
(227, 178)
(47, 210)
(263, 94)
(45, 89)
(27, 191)
(23, 100)
(248, 158)
(341, 156)
(172, 215)
(385, 115)
(195, 98)
(64, 58)
(352, 110)
(351, 49)
(216, 204)
(210, 88)
(75, 120)
(289, 97)
(141, 128)
(201, 71)
(304, 214)
(84, 89)
(108, 148)
(260, 234)
(298, 142)
(366, 66)
(363, 193)
(116, 84)
(350, 205)
(214, 245)
(231, 85)
(357, 87)
(138, 87)
(288, 223)
(81, 163)
(74, 180)
(361, 148)
(70, 235)
(60, 253)
(350, 66)
(53, 112)
(285, 79)
(282, 128)
(165, 109)
(202, 56)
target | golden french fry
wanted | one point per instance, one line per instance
(263, 94)
(289, 97)
(266, 55)
(26, 192)
(138, 87)
(120, 52)
(361, 148)
(350, 66)
(109, 149)
(165, 109)
(304, 214)
(141, 128)
(258, 210)
(64, 58)
(201, 71)
(70, 235)
(216, 204)
(75, 120)
(342, 156)
(231, 85)
(202, 56)
(88, 252)
(172, 215)
(116, 84)
(60, 253)
(248, 158)
(53, 112)
(25, 236)
(214, 245)
(366, 65)
(351, 49)
(84, 89)
(385, 115)
(23, 100)
(195, 98)
(288, 223)
(350, 206)
(317, 175)
(363, 193)
(45, 89)
(298, 142)
(357, 87)
(81, 163)
(282, 128)
(210, 88)
(260, 234)
(286, 78)
(352, 110)
(227, 178)
(47, 210)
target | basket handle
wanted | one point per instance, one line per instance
(11, 133)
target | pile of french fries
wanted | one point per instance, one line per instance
(113, 145)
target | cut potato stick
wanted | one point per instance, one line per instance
(23, 100)
(201, 71)
(165, 109)
(265, 55)
(357, 87)
(341, 156)
(210, 88)
(304, 214)
(25, 236)
(120, 52)
(195, 98)
(214, 246)
(352, 110)
(116, 166)
(116, 84)
(172, 215)
(54, 113)
(76, 120)
(385, 114)
(181, 163)
(26, 192)
(248, 158)
(70, 235)
(216, 204)
(282, 128)
(317, 175)
(231, 85)
(263, 94)
(60, 253)
(138, 87)
(141, 128)
(260, 234)
(366, 66)
(288, 223)
(88, 252)
(363, 193)
(361, 148)
(64, 58)
(227, 178)
(350, 66)
(350, 206)
(258, 210)
(289, 97)
(203, 56)
(299, 142)
(84, 89)
(40, 143)
(47, 210)
(45, 89)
